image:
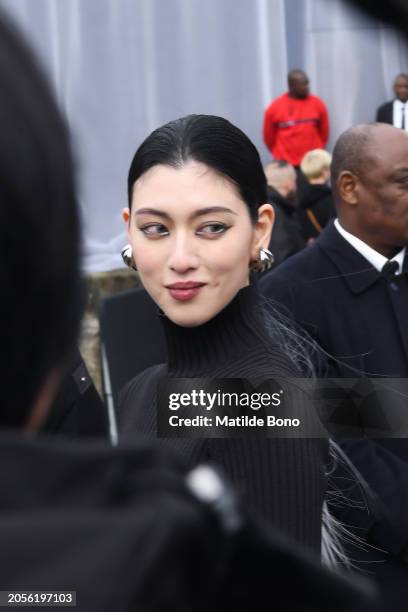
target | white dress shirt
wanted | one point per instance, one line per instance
(397, 110)
(376, 259)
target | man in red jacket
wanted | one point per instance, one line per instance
(296, 122)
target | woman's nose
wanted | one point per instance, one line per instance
(183, 255)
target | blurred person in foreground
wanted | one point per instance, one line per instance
(126, 528)
(315, 200)
(295, 122)
(286, 239)
(394, 112)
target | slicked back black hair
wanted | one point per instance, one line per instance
(39, 232)
(211, 140)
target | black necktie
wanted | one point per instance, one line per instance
(389, 269)
(403, 117)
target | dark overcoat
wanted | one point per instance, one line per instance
(360, 318)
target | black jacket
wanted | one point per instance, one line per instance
(346, 305)
(286, 239)
(358, 317)
(77, 409)
(123, 529)
(385, 113)
(318, 200)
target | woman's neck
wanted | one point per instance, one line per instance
(237, 329)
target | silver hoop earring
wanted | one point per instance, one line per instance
(127, 256)
(264, 262)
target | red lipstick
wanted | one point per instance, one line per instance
(184, 291)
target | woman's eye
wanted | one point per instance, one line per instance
(154, 230)
(212, 229)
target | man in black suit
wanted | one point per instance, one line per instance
(350, 292)
(394, 111)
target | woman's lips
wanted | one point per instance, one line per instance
(184, 291)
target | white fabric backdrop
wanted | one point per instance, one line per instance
(120, 68)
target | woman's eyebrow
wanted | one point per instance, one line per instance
(212, 209)
(152, 211)
(197, 213)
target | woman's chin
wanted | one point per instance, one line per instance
(189, 316)
(191, 321)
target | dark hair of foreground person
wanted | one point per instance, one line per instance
(39, 235)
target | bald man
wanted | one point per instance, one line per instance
(295, 122)
(350, 292)
(394, 112)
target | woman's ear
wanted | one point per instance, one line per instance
(263, 229)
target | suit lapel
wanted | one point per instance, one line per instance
(355, 270)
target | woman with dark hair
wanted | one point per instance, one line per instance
(198, 224)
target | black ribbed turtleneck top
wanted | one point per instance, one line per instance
(280, 479)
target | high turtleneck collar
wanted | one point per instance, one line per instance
(236, 330)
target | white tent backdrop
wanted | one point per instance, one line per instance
(120, 68)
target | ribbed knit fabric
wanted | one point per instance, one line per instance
(281, 480)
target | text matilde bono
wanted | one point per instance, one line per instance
(238, 421)
(206, 400)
